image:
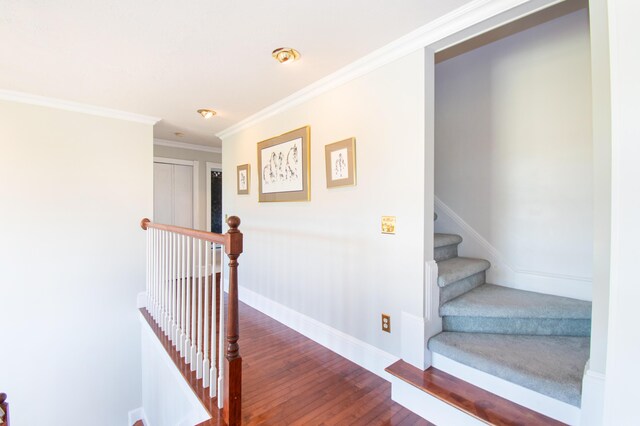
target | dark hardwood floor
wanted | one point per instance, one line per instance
(290, 380)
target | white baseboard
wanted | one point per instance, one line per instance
(429, 407)
(501, 272)
(357, 351)
(592, 398)
(137, 414)
(535, 401)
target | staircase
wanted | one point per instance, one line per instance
(537, 341)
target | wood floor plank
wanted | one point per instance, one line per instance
(289, 379)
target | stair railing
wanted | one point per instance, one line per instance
(181, 293)
(4, 410)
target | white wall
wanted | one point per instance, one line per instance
(326, 258)
(202, 157)
(167, 398)
(623, 349)
(514, 153)
(73, 188)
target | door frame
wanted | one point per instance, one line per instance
(196, 172)
(209, 167)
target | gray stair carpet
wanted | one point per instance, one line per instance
(459, 268)
(550, 365)
(441, 240)
(495, 309)
(445, 246)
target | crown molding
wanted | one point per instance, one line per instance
(185, 145)
(27, 98)
(473, 13)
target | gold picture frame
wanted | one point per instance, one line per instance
(340, 163)
(243, 179)
(283, 167)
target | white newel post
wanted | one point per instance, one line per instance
(433, 321)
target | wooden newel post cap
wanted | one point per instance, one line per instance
(3, 398)
(143, 223)
(233, 222)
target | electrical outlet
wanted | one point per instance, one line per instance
(386, 323)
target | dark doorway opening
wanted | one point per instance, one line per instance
(216, 201)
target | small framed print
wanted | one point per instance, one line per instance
(244, 177)
(340, 160)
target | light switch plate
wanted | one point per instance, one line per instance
(388, 224)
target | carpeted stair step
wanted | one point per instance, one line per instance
(495, 309)
(550, 365)
(445, 246)
(459, 275)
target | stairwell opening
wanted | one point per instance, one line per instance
(514, 195)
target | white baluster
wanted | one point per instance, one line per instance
(183, 286)
(213, 372)
(174, 285)
(167, 288)
(154, 272)
(221, 334)
(194, 289)
(178, 293)
(176, 279)
(187, 342)
(161, 283)
(207, 318)
(200, 312)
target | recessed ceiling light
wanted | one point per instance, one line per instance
(285, 54)
(207, 113)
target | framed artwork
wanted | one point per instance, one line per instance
(244, 178)
(340, 160)
(283, 167)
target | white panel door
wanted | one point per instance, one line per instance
(163, 193)
(183, 196)
(173, 194)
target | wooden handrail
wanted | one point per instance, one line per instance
(232, 241)
(4, 410)
(202, 235)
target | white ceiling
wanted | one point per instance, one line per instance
(167, 58)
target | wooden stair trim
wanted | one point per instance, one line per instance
(472, 400)
(202, 393)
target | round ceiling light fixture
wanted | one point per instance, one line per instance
(206, 113)
(285, 54)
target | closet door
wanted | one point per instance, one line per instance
(183, 196)
(173, 194)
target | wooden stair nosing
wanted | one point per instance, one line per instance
(472, 400)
